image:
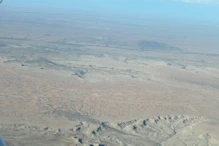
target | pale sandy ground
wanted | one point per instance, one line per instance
(48, 98)
(89, 83)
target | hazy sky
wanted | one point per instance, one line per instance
(195, 20)
(207, 10)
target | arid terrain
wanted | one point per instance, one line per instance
(94, 80)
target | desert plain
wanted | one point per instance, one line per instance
(94, 79)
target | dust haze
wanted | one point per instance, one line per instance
(100, 79)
